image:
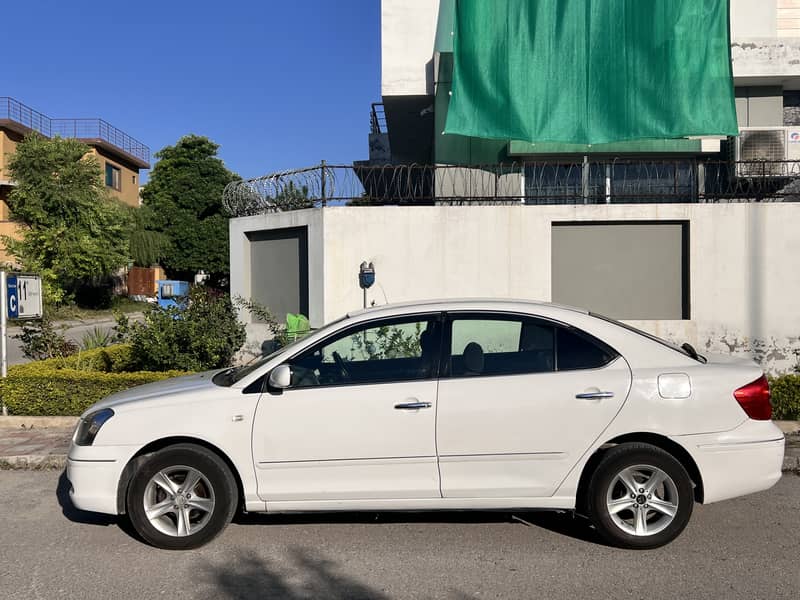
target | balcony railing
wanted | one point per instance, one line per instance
(91, 129)
(539, 183)
(16, 111)
(377, 119)
(86, 129)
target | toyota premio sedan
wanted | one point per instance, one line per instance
(446, 405)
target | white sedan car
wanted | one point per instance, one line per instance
(446, 405)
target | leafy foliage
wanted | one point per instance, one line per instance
(97, 337)
(205, 335)
(40, 340)
(785, 397)
(388, 341)
(148, 247)
(72, 229)
(264, 315)
(45, 389)
(184, 195)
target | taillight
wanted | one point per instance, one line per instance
(754, 399)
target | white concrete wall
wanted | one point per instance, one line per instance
(241, 265)
(744, 280)
(758, 31)
(754, 18)
(408, 31)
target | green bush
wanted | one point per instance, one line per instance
(40, 340)
(111, 359)
(205, 335)
(785, 397)
(45, 389)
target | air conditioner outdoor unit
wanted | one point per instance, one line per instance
(764, 151)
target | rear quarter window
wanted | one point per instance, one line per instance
(578, 350)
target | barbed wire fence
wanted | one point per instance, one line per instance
(540, 183)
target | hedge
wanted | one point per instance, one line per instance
(68, 386)
(111, 359)
(785, 397)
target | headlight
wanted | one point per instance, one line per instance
(88, 427)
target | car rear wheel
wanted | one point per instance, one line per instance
(640, 496)
(181, 497)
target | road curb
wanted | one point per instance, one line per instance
(33, 462)
(23, 422)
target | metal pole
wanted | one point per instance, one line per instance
(3, 331)
(365, 297)
(322, 167)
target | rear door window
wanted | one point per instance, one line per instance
(489, 345)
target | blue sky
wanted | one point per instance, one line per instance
(278, 85)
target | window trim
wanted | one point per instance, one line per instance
(447, 339)
(368, 324)
(114, 168)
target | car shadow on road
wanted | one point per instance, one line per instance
(306, 574)
(561, 522)
(84, 517)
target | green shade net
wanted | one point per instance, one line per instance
(591, 71)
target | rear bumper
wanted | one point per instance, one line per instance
(94, 473)
(744, 460)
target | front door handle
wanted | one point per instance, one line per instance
(412, 405)
(594, 395)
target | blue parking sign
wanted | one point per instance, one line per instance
(12, 297)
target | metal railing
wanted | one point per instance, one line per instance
(16, 111)
(91, 129)
(535, 183)
(86, 129)
(377, 119)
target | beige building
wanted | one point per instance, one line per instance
(121, 157)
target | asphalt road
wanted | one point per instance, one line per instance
(74, 333)
(744, 548)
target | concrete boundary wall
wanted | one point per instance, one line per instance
(743, 263)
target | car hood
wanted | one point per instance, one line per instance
(166, 388)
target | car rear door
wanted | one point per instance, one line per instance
(520, 400)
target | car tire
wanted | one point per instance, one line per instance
(181, 497)
(639, 496)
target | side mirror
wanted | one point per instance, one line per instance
(281, 377)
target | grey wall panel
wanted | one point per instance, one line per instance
(622, 270)
(279, 270)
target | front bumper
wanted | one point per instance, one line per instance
(94, 473)
(744, 460)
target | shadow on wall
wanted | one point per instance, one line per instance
(249, 576)
(756, 240)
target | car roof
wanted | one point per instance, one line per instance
(446, 304)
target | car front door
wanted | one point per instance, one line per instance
(358, 420)
(520, 400)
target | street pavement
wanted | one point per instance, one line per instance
(744, 548)
(71, 330)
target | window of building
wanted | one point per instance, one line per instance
(113, 177)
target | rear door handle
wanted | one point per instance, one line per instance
(594, 395)
(412, 405)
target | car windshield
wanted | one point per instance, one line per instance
(685, 349)
(230, 376)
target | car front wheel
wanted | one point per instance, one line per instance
(640, 496)
(181, 497)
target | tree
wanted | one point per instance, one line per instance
(72, 230)
(184, 197)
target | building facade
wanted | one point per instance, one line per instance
(121, 158)
(691, 239)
